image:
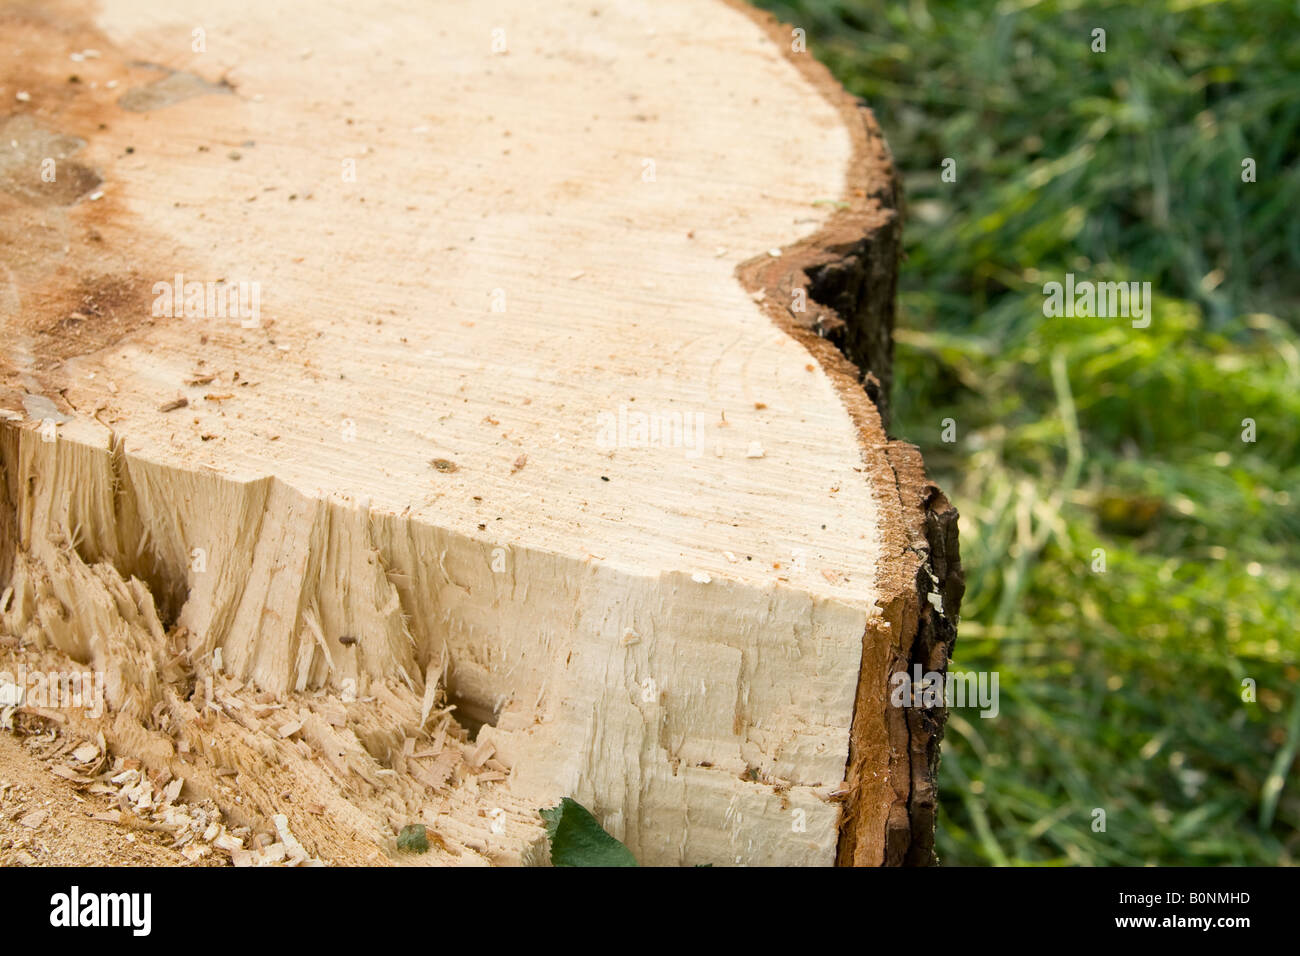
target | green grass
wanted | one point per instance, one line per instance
(1119, 690)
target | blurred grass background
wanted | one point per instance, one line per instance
(1120, 690)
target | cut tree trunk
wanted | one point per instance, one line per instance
(423, 412)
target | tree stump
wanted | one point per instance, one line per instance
(424, 412)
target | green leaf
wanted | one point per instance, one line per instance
(413, 838)
(578, 840)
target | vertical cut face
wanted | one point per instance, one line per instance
(471, 391)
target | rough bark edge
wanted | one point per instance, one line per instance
(848, 273)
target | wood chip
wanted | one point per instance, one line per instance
(174, 404)
(229, 843)
(439, 773)
(34, 819)
(481, 753)
(67, 773)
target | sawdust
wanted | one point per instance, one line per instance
(60, 827)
